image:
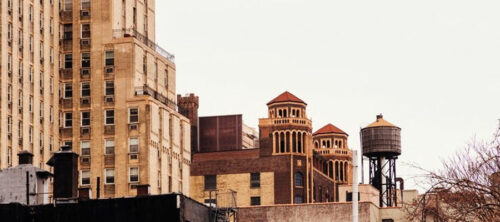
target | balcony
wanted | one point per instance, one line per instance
(286, 121)
(120, 33)
(146, 90)
(334, 152)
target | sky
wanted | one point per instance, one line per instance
(432, 67)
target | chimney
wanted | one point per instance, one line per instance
(143, 190)
(25, 157)
(65, 163)
(380, 116)
(188, 107)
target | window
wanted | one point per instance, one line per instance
(254, 201)
(51, 114)
(134, 174)
(68, 120)
(109, 117)
(85, 90)
(133, 115)
(299, 180)
(110, 176)
(68, 61)
(85, 177)
(165, 79)
(68, 31)
(109, 147)
(298, 199)
(85, 4)
(30, 132)
(31, 104)
(110, 88)
(85, 118)
(85, 148)
(110, 58)
(210, 182)
(9, 32)
(68, 90)
(85, 31)
(86, 60)
(133, 145)
(68, 5)
(348, 196)
(9, 124)
(9, 93)
(254, 180)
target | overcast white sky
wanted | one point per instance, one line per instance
(431, 67)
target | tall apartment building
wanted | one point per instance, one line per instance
(29, 45)
(116, 102)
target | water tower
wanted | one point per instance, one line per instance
(381, 145)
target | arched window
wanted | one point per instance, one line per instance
(325, 168)
(316, 144)
(299, 143)
(299, 181)
(298, 113)
(277, 142)
(282, 142)
(336, 171)
(340, 144)
(341, 172)
(284, 113)
(345, 171)
(293, 113)
(303, 144)
(328, 144)
(287, 142)
(330, 169)
(323, 143)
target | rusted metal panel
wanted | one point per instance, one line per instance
(220, 133)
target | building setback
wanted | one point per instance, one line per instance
(116, 102)
(285, 169)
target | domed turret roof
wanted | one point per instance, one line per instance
(329, 128)
(380, 122)
(286, 97)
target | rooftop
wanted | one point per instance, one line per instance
(329, 128)
(286, 97)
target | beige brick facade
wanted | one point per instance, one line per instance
(237, 182)
(29, 79)
(116, 102)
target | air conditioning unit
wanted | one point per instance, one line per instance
(85, 42)
(41, 60)
(85, 159)
(134, 156)
(20, 17)
(41, 30)
(132, 127)
(20, 141)
(85, 72)
(85, 130)
(85, 100)
(109, 99)
(110, 69)
(85, 13)
(20, 48)
(9, 135)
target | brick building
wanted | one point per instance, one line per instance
(116, 100)
(285, 169)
